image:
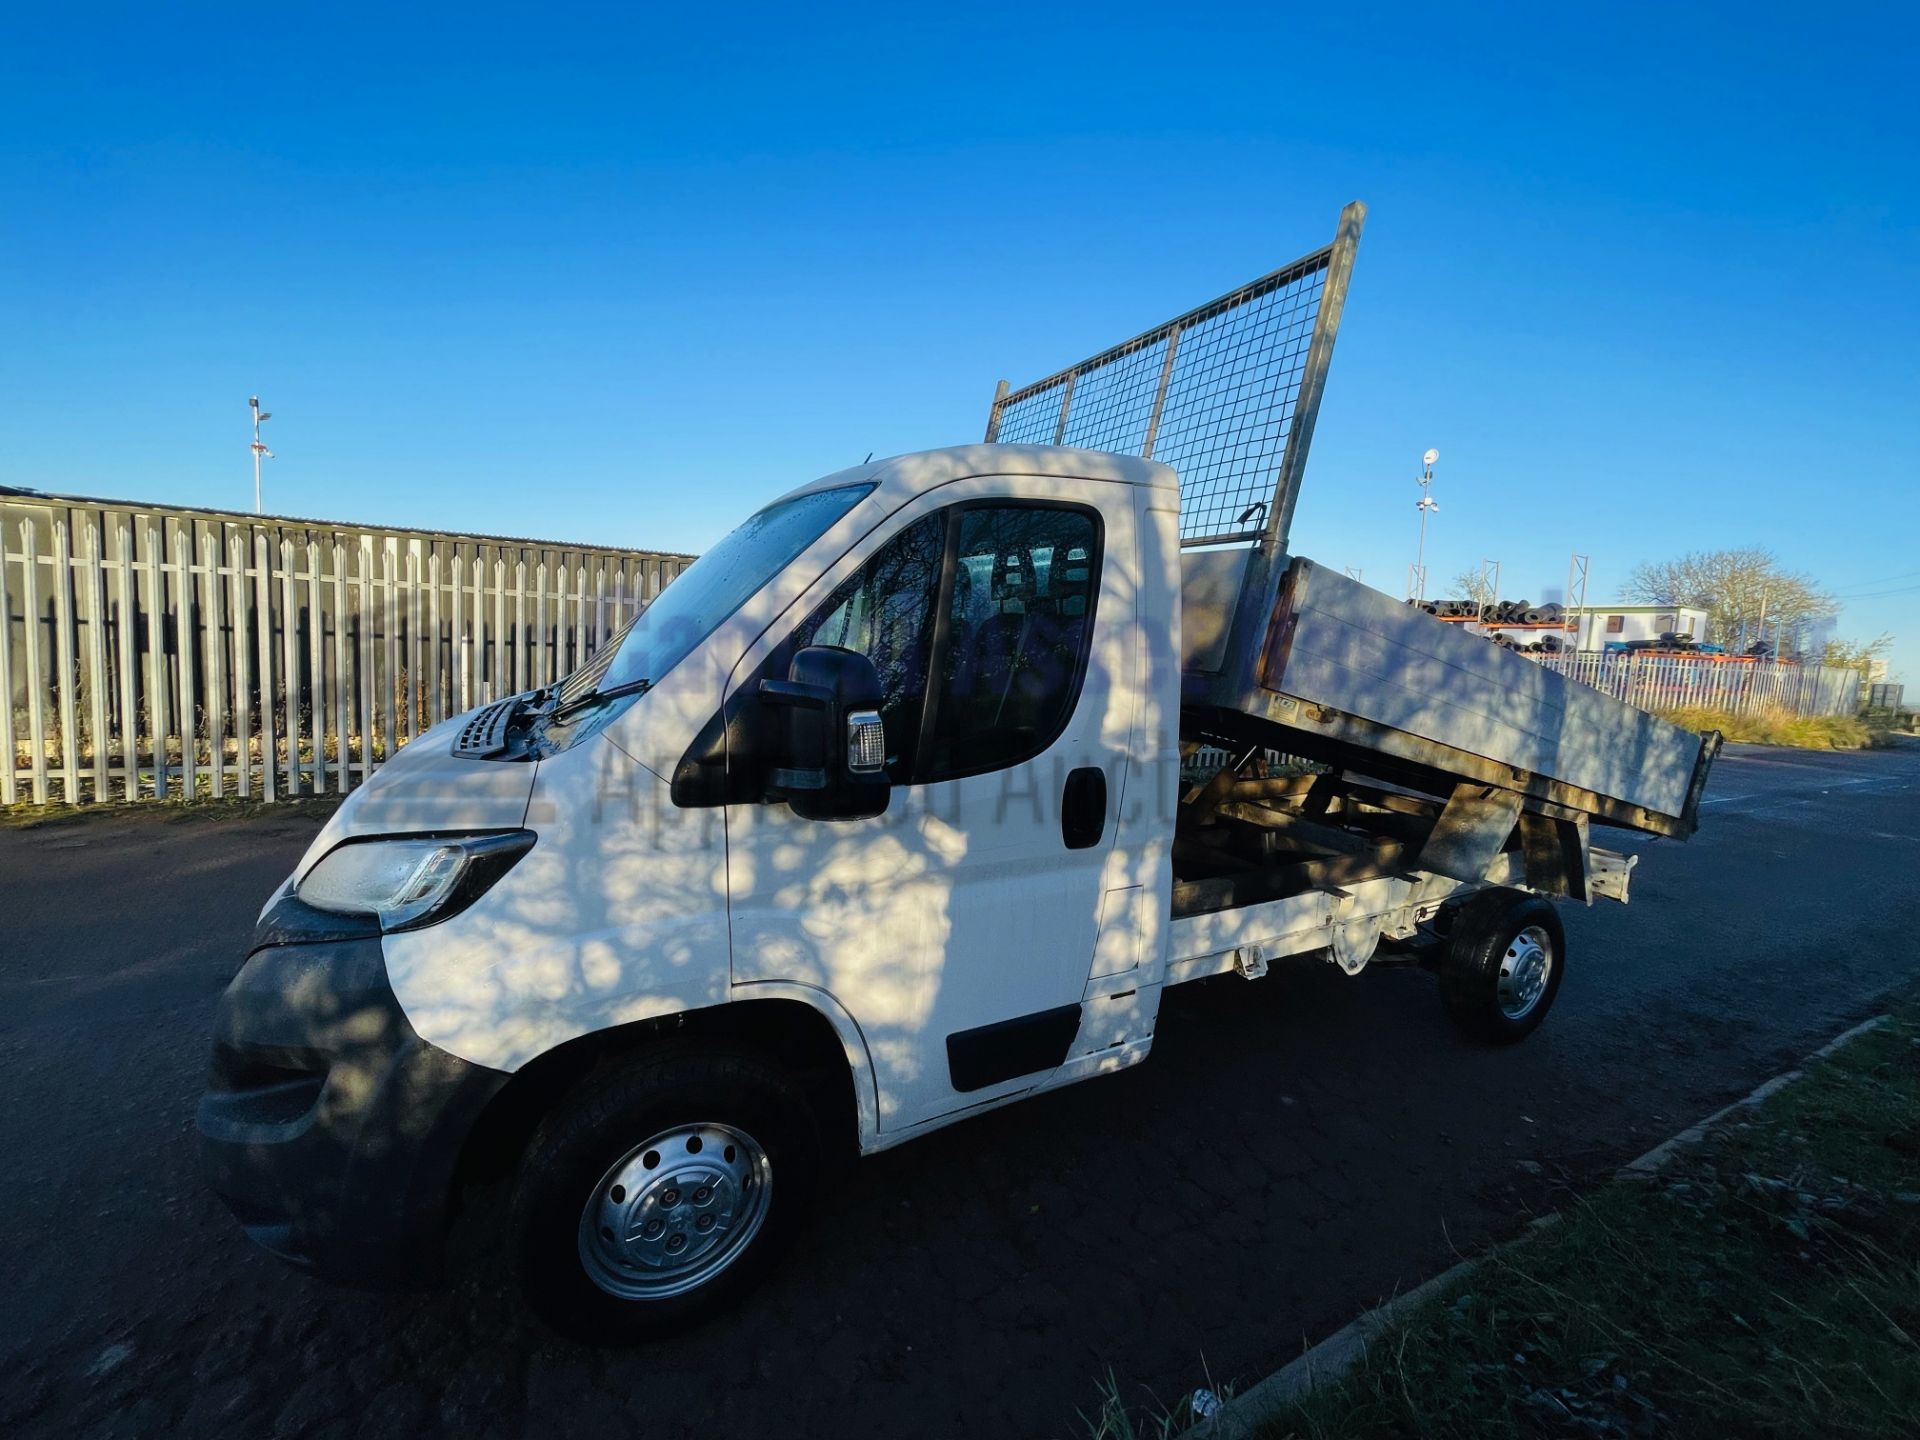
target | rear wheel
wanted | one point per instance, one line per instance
(1503, 964)
(661, 1193)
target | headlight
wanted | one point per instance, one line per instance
(410, 881)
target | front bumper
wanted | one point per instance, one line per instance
(329, 1127)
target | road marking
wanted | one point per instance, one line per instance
(1778, 805)
(1805, 796)
(1768, 763)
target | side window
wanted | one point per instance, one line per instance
(1616, 624)
(1011, 652)
(1018, 622)
(885, 612)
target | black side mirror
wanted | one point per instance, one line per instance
(833, 762)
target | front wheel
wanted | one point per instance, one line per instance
(661, 1193)
(1503, 965)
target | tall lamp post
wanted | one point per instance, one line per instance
(1417, 576)
(260, 452)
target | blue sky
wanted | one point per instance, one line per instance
(1650, 279)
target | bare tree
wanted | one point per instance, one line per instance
(1737, 588)
(1473, 585)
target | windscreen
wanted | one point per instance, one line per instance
(720, 582)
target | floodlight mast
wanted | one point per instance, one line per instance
(260, 451)
(1417, 574)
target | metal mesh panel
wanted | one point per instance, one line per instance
(1113, 405)
(1225, 394)
(1230, 403)
(1035, 419)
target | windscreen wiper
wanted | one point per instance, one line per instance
(595, 697)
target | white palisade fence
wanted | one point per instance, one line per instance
(153, 653)
(1672, 682)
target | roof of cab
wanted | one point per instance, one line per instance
(923, 469)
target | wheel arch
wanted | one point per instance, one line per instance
(799, 1025)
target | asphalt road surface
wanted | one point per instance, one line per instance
(1294, 1150)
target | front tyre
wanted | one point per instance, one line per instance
(660, 1193)
(1503, 965)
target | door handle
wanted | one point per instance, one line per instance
(1083, 808)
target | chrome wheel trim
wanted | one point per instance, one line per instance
(675, 1211)
(1524, 972)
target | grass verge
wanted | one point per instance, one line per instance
(1765, 1284)
(30, 817)
(1780, 727)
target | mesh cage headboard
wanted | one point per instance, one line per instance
(1226, 394)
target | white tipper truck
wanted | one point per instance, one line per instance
(882, 815)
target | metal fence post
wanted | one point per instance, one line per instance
(215, 654)
(289, 665)
(129, 726)
(186, 603)
(8, 779)
(159, 721)
(97, 676)
(63, 609)
(36, 695)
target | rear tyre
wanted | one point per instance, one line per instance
(661, 1193)
(1503, 965)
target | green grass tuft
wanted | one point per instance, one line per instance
(1767, 1284)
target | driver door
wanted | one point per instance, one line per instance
(958, 928)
